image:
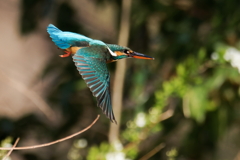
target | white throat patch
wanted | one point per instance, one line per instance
(111, 52)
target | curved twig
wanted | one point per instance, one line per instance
(54, 142)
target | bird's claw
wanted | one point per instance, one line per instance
(66, 55)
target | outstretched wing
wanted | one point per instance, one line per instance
(95, 73)
(65, 40)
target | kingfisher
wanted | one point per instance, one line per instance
(91, 57)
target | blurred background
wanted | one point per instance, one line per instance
(184, 105)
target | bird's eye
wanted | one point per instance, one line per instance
(126, 51)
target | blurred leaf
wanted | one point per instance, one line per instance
(195, 102)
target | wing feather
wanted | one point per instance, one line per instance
(95, 73)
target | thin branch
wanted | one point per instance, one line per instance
(153, 151)
(10, 151)
(166, 115)
(54, 142)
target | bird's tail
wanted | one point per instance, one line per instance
(52, 29)
(57, 37)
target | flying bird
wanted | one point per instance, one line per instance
(90, 57)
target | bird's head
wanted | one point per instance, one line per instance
(120, 52)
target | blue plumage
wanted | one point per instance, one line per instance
(90, 57)
(90, 64)
(65, 40)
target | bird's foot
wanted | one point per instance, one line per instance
(66, 55)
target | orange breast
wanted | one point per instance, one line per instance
(73, 50)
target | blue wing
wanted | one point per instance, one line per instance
(65, 40)
(95, 73)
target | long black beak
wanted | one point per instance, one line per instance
(140, 56)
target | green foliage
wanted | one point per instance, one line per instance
(99, 153)
(7, 142)
(172, 154)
